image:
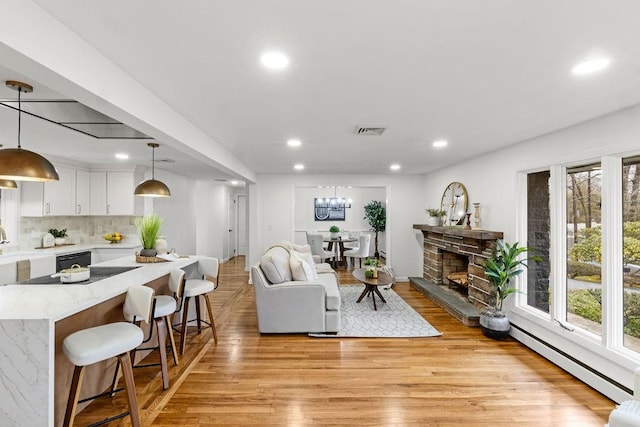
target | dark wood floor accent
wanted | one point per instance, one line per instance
(459, 379)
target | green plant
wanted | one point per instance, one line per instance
(58, 233)
(435, 212)
(373, 262)
(148, 228)
(376, 214)
(503, 265)
(368, 274)
(334, 229)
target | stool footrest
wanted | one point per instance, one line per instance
(103, 394)
(108, 420)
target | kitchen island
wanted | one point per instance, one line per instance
(34, 319)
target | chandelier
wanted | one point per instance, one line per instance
(334, 202)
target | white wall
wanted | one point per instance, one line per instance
(179, 218)
(210, 207)
(274, 211)
(491, 179)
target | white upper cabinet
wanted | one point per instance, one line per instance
(112, 193)
(83, 192)
(50, 198)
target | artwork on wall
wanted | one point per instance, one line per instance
(328, 209)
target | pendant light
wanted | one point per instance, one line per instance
(20, 164)
(8, 184)
(152, 187)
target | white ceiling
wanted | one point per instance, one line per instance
(481, 74)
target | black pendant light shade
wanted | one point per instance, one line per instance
(20, 164)
(152, 187)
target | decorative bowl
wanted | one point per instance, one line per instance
(114, 237)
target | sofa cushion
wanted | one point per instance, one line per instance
(275, 265)
(332, 299)
(302, 266)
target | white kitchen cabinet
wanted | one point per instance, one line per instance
(112, 193)
(50, 198)
(83, 192)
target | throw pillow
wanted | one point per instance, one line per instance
(302, 266)
(275, 265)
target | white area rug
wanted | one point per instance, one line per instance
(395, 319)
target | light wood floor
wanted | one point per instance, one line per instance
(459, 379)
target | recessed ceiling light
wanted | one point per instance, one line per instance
(440, 143)
(274, 60)
(394, 167)
(234, 182)
(298, 166)
(122, 156)
(590, 66)
(294, 143)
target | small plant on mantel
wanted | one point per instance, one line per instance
(435, 212)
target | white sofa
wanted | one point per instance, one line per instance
(285, 305)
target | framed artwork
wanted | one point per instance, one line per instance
(323, 211)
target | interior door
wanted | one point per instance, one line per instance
(242, 224)
(231, 241)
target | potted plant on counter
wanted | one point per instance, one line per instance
(59, 236)
(335, 232)
(504, 265)
(435, 217)
(148, 228)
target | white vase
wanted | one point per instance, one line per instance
(161, 244)
(335, 235)
(433, 221)
(59, 241)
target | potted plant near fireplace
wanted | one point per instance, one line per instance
(504, 265)
(148, 228)
(435, 216)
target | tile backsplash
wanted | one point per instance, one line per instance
(80, 229)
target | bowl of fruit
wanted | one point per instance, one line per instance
(114, 237)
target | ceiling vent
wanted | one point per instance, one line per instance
(362, 130)
(164, 161)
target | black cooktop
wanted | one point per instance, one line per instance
(95, 274)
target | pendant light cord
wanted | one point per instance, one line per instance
(19, 114)
(153, 163)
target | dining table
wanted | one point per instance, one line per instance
(337, 245)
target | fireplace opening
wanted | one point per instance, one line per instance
(455, 272)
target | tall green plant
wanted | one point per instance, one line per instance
(376, 214)
(503, 265)
(148, 228)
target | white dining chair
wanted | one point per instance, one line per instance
(316, 242)
(362, 251)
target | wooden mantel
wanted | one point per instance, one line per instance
(460, 231)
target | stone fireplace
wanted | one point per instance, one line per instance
(450, 250)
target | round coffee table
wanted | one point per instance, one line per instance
(371, 284)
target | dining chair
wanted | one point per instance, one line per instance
(316, 242)
(362, 251)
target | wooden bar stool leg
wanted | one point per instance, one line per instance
(127, 373)
(183, 331)
(198, 314)
(74, 393)
(213, 325)
(162, 347)
(174, 351)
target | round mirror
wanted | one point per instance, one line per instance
(454, 203)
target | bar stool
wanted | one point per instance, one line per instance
(163, 308)
(195, 288)
(92, 345)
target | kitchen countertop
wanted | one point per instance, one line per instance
(81, 247)
(55, 302)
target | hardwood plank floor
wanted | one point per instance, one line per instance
(458, 379)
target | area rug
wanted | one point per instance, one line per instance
(395, 319)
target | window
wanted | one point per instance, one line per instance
(538, 239)
(631, 253)
(584, 248)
